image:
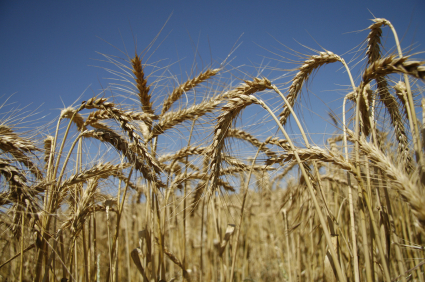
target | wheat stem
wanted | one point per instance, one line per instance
(312, 194)
(350, 201)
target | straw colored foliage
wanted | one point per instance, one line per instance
(185, 189)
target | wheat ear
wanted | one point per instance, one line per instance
(397, 121)
(13, 175)
(122, 146)
(184, 152)
(78, 119)
(392, 64)
(141, 148)
(188, 85)
(312, 63)
(17, 146)
(373, 51)
(240, 98)
(77, 219)
(101, 170)
(409, 98)
(243, 135)
(94, 117)
(171, 119)
(401, 181)
(142, 88)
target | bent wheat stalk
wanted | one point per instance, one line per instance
(323, 223)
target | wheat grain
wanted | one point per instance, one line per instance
(78, 119)
(97, 103)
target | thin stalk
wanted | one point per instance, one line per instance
(152, 215)
(311, 191)
(285, 218)
(50, 197)
(371, 233)
(63, 145)
(316, 170)
(127, 250)
(119, 213)
(62, 256)
(363, 193)
(361, 199)
(201, 237)
(411, 105)
(109, 244)
(115, 254)
(185, 203)
(161, 263)
(17, 255)
(245, 193)
(49, 174)
(350, 201)
(96, 266)
(89, 246)
(21, 267)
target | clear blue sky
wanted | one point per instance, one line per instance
(47, 47)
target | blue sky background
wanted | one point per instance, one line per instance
(47, 47)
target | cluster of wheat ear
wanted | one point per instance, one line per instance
(183, 193)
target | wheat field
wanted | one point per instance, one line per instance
(169, 184)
